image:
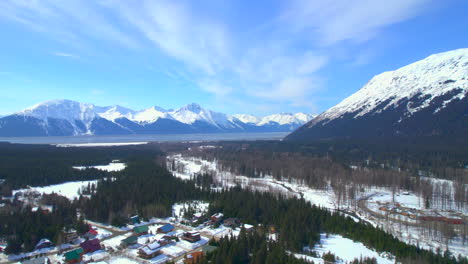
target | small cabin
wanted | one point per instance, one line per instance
(191, 236)
(135, 219)
(149, 251)
(44, 243)
(217, 217)
(131, 240)
(91, 245)
(70, 235)
(92, 233)
(74, 256)
(140, 230)
(232, 222)
(166, 229)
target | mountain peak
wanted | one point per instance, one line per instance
(412, 100)
(193, 107)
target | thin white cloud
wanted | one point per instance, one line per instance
(332, 21)
(281, 63)
(65, 54)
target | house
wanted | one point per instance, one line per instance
(74, 256)
(164, 241)
(149, 251)
(140, 230)
(70, 235)
(166, 229)
(131, 240)
(39, 260)
(92, 233)
(216, 217)
(91, 245)
(232, 222)
(193, 257)
(44, 243)
(135, 219)
(191, 236)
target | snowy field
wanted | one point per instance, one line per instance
(100, 144)
(113, 166)
(69, 189)
(190, 166)
(345, 249)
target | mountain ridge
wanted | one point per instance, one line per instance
(62, 117)
(425, 98)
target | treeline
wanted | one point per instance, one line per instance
(40, 165)
(143, 188)
(437, 158)
(251, 248)
(324, 171)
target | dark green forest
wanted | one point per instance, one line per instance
(146, 188)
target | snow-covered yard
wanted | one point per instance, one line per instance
(198, 207)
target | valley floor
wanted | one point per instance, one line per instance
(395, 214)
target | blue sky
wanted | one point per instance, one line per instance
(233, 56)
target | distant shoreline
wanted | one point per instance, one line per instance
(132, 139)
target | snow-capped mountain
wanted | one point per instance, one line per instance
(114, 112)
(149, 115)
(67, 118)
(247, 119)
(425, 98)
(285, 119)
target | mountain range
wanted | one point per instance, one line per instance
(71, 118)
(427, 98)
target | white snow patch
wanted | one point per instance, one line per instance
(113, 166)
(68, 189)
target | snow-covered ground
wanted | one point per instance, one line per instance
(113, 166)
(68, 189)
(198, 207)
(187, 167)
(345, 249)
(121, 260)
(100, 144)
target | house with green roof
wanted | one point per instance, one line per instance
(131, 240)
(74, 256)
(140, 230)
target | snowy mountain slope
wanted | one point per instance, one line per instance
(416, 100)
(76, 114)
(285, 119)
(69, 118)
(113, 112)
(244, 118)
(150, 115)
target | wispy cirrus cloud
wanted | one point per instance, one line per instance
(66, 55)
(280, 63)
